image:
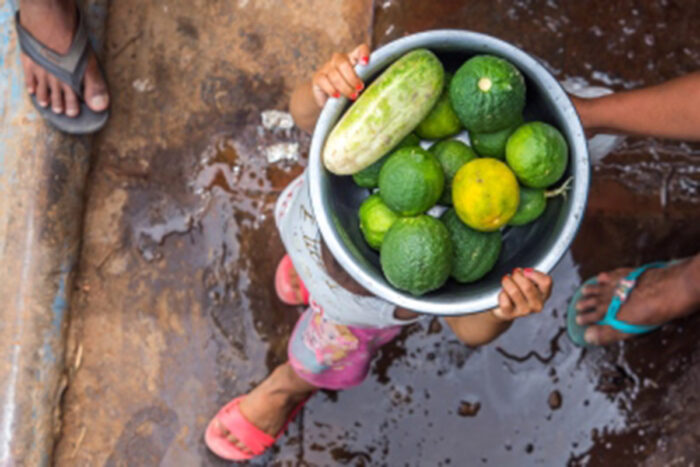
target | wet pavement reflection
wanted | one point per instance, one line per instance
(176, 313)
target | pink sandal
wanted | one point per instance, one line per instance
(288, 285)
(256, 440)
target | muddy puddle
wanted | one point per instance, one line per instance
(202, 228)
(532, 398)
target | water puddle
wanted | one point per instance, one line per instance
(671, 169)
(219, 168)
(531, 398)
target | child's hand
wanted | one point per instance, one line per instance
(524, 292)
(338, 76)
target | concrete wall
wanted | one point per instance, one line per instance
(42, 177)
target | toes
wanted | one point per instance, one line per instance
(71, 101)
(223, 432)
(221, 428)
(589, 317)
(592, 289)
(612, 276)
(604, 278)
(31, 83)
(96, 96)
(29, 77)
(584, 304)
(42, 90)
(239, 445)
(602, 308)
(56, 95)
(231, 439)
(603, 335)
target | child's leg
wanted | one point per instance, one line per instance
(334, 356)
(288, 285)
(322, 354)
(269, 404)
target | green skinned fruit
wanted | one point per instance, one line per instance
(416, 254)
(532, 204)
(411, 181)
(369, 176)
(442, 121)
(475, 253)
(538, 154)
(488, 94)
(452, 155)
(375, 220)
(493, 144)
(388, 110)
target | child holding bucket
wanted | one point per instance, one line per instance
(336, 338)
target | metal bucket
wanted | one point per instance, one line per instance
(539, 245)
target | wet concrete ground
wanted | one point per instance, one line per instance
(175, 311)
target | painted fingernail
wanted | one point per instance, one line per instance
(504, 277)
(359, 86)
(43, 104)
(353, 96)
(57, 110)
(336, 94)
(365, 60)
(528, 271)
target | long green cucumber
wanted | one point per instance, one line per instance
(389, 109)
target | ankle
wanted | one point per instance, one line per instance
(285, 386)
(282, 399)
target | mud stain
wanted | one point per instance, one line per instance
(193, 236)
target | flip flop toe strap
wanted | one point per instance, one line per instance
(250, 436)
(69, 67)
(622, 292)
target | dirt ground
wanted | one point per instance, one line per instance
(175, 311)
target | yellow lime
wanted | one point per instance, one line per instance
(485, 194)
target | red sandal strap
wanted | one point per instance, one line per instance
(249, 435)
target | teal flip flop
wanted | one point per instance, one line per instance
(622, 292)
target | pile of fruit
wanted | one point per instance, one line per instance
(498, 181)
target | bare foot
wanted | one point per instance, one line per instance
(270, 403)
(53, 23)
(661, 295)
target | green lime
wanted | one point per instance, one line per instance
(532, 204)
(411, 181)
(493, 144)
(369, 176)
(416, 255)
(442, 121)
(375, 219)
(488, 94)
(538, 154)
(452, 155)
(410, 140)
